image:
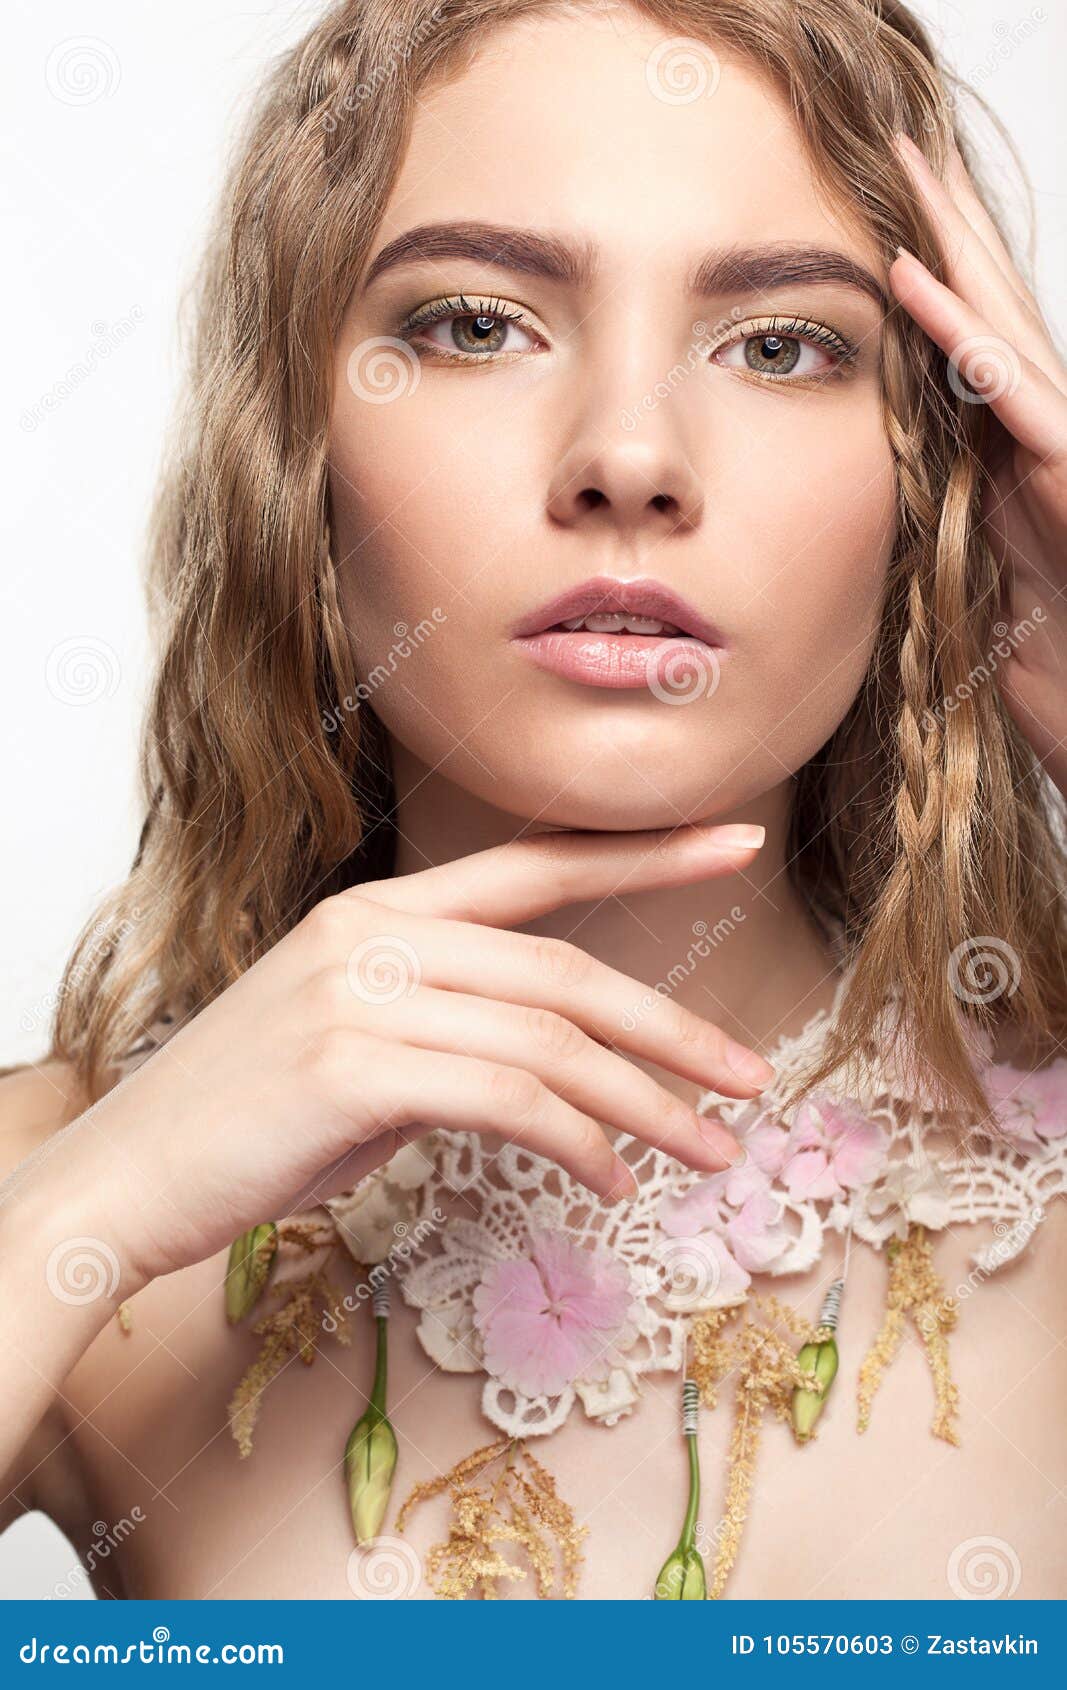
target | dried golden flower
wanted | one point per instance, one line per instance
(521, 1506)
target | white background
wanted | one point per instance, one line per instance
(117, 119)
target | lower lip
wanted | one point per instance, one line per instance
(668, 665)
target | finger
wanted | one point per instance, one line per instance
(1019, 392)
(509, 884)
(970, 269)
(596, 1080)
(381, 1086)
(552, 974)
(962, 189)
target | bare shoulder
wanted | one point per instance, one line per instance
(36, 1100)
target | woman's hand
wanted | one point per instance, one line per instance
(986, 320)
(392, 1009)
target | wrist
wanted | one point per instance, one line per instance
(59, 1235)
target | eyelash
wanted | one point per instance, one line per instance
(793, 328)
(844, 350)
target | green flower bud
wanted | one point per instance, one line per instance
(370, 1462)
(682, 1577)
(820, 1359)
(251, 1260)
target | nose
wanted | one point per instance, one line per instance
(625, 481)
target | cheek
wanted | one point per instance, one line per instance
(821, 530)
(433, 503)
(432, 492)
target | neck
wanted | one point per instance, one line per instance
(739, 949)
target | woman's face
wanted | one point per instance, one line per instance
(581, 398)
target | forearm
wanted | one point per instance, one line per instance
(60, 1283)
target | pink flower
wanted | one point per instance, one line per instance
(552, 1317)
(833, 1147)
(1029, 1104)
(754, 1234)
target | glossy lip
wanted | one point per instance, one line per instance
(644, 597)
(659, 663)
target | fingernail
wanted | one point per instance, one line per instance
(747, 1064)
(740, 833)
(625, 1188)
(720, 1139)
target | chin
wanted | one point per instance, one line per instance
(605, 794)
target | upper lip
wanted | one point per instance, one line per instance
(645, 597)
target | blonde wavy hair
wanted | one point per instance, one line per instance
(923, 830)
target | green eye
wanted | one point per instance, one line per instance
(771, 354)
(779, 350)
(473, 331)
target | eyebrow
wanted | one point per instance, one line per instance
(728, 270)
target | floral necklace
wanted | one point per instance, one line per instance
(564, 1307)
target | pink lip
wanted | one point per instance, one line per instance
(619, 660)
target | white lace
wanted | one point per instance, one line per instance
(512, 1190)
(405, 1214)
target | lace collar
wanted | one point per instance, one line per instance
(471, 1231)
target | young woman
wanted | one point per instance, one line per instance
(612, 576)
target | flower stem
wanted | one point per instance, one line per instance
(381, 1360)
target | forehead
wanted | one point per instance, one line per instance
(602, 124)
